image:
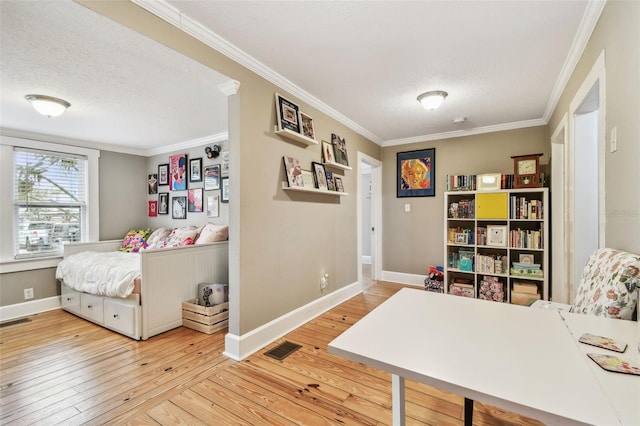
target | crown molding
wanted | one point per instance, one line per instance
(174, 17)
(587, 25)
(466, 132)
(194, 143)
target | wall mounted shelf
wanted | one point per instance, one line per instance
(297, 137)
(286, 187)
(337, 166)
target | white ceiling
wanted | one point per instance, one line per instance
(504, 64)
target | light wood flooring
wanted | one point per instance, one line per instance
(59, 369)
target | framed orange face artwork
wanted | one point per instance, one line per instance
(416, 173)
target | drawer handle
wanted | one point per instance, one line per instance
(115, 315)
(89, 306)
(69, 299)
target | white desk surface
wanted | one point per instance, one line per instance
(517, 358)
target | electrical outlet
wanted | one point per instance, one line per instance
(28, 293)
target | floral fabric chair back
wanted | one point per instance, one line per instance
(608, 285)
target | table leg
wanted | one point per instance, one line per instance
(397, 400)
(468, 412)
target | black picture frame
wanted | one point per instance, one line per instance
(163, 174)
(319, 176)
(224, 192)
(338, 183)
(163, 203)
(195, 170)
(416, 173)
(153, 183)
(288, 114)
(179, 207)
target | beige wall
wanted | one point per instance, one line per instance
(280, 242)
(413, 241)
(618, 34)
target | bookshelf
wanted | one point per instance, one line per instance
(497, 244)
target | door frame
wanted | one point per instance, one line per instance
(376, 216)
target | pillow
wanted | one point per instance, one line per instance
(157, 235)
(211, 233)
(178, 237)
(134, 240)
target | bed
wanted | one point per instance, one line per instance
(167, 277)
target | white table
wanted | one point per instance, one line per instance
(520, 359)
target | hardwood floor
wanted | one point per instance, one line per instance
(60, 369)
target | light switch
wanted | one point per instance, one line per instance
(407, 208)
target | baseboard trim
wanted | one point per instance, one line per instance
(25, 309)
(403, 278)
(240, 347)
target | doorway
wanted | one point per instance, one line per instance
(369, 223)
(585, 174)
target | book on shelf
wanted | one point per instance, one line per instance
(492, 264)
(523, 287)
(461, 182)
(462, 209)
(522, 208)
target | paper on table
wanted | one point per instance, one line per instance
(602, 342)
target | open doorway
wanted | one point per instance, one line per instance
(369, 223)
(585, 174)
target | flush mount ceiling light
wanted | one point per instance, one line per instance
(48, 105)
(433, 99)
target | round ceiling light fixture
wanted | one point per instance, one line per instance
(48, 105)
(433, 99)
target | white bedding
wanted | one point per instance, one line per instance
(105, 274)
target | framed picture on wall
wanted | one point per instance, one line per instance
(225, 190)
(163, 174)
(195, 170)
(153, 208)
(320, 175)
(179, 207)
(307, 126)
(153, 184)
(194, 200)
(339, 150)
(287, 113)
(178, 172)
(212, 177)
(416, 173)
(163, 203)
(213, 206)
(339, 186)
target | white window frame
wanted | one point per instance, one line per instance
(8, 263)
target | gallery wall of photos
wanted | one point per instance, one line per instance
(326, 174)
(192, 185)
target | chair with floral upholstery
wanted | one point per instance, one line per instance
(607, 287)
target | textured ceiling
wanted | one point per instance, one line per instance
(124, 88)
(363, 62)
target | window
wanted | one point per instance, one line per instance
(50, 201)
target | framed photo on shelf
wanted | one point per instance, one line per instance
(308, 180)
(497, 235)
(307, 126)
(153, 184)
(489, 182)
(327, 153)
(293, 171)
(416, 173)
(212, 177)
(288, 114)
(338, 183)
(225, 190)
(163, 203)
(179, 207)
(153, 208)
(163, 174)
(178, 172)
(213, 206)
(194, 200)
(331, 185)
(195, 170)
(320, 175)
(339, 150)
(462, 238)
(526, 258)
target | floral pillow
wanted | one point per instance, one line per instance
(178, 237)
(135, 240)
(608, 285)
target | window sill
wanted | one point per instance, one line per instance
(20, 265)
